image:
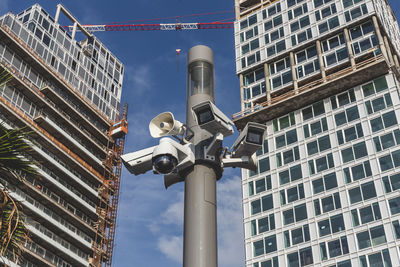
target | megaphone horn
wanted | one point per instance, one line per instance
(164, 124)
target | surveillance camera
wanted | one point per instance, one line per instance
(165, 158)
(170, 156)
(211, 119)
(164, 124)
(250, 140)
(246, 162)
(140, 161)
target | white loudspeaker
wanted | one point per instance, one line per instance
(164, 124)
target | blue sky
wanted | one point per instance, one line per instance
(150, 218)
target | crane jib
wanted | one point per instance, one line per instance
(155, 27)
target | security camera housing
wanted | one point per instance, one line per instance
(211, 119)
(140, 161)
(143, 160)
(183, 155)
(250, 140)
(246, 162)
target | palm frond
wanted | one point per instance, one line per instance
(13, 232)
(12, 147)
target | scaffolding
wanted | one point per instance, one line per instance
(109, 193)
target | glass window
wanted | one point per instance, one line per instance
(307, 113)
(288, 217)
(300, 212)
(296, 173)
(377, 235)
(306, 257)
(338, 247)
(396, 227)
(258, 248)
(337, 223)
(394, 205)
(255, 207)
(363, 240)
(291, 136)
(355, 219)
(376, 124)
(352, 113)
(252, 19)
(260, 185)
(277, 20)
(293, 259)
(264, 164)
(270, 244)
(267, 202)
(318, 186)
(340, 118)
(380, 84)
(389, 119)
(392, 183)
(386, 163)
(360, 150)
(367, 189)
(330, 181)
(366, 215)
(251, 189)
(327, 204)
(312, 148)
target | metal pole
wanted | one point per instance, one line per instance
(200, 212)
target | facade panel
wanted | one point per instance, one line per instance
(325, 192)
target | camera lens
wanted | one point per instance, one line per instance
(164, 164)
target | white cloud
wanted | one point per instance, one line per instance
(171, 247)
(139, 78)
(174, 213)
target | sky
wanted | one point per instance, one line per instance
(150, 219)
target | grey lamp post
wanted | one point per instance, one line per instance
(200, 219)
(199, 158)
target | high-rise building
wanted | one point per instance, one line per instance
(323, 75)
(67, 93)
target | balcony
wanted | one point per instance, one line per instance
(33, 93)
(73, 179)
(45, 216)
(313, 91)
(47, 72)
(71, 142)
(73, 112)
(63, 212)
(50, 244)
(66, 193)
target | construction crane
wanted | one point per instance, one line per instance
(177, 26)
(156, 27)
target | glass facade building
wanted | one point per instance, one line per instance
(323, 75)
(67, 93)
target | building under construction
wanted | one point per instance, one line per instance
(67, 93)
